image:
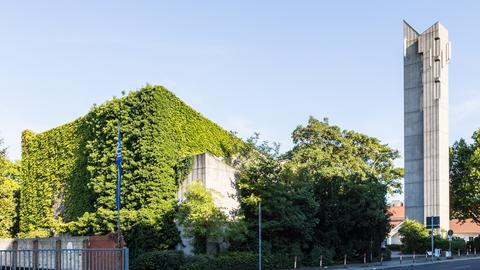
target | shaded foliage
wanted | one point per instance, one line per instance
(465, 179)
(200, 218)
(9, 186)
(325, 195)
(415, 237)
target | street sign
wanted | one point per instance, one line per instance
(435, 221)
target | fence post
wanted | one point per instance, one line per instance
(364, 258)
(414, 256)
(295, 263)
(426, 256)
(401, 259)
(475, 251)
(345, 261)
(321, 261)
(85, 262)
(458, 252)
(13, 263)
(35, 254)
(381, 259)
(125, 261)
(58, 254)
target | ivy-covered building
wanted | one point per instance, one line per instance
(69, 172)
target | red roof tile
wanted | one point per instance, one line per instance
(468, 227)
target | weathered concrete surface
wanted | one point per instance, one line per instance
(219, 178)
(426, 58)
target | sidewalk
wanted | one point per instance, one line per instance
(407, 261)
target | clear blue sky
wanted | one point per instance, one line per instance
(249, 66)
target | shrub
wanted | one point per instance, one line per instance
(237, 261)
(158, 260)
(199, 262)
(458, 244)
(414, 237)
(395, 247)
(313, 258)
(200, 217)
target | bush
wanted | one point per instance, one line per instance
(199, 262)
(158, 260)
(313, 258)
(415, 237)
(458, 244)
(394, 247)
(237, 261)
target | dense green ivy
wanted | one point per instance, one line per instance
(69, 172)
(8, 195)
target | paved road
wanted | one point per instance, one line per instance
(450, 265)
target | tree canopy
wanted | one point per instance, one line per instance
(327, 193)
(8, 195)
(465, 179)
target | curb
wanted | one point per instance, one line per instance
(408, 264)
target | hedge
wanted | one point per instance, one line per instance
(172, 260)
(158, 260)
(69, 172)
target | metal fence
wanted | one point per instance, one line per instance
(64, 259)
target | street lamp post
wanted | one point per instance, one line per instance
(259, 236)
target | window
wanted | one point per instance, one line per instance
(437, 93)
(430, 57)
(436, 70)
(449, 53)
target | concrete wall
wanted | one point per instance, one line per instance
(216, 176)
(413, 126)
(426, 59)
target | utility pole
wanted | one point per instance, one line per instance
(432, 239)
(260, 236)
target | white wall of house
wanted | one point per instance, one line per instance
(466, 236)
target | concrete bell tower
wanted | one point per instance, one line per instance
(425, 63)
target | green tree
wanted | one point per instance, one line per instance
(327, 193)
(200, 218)
(415, 237)
(8, 195)
(288, 205)
(465, 179)
(326, 151)
(350, 174)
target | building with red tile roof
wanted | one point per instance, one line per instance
(466, 230)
